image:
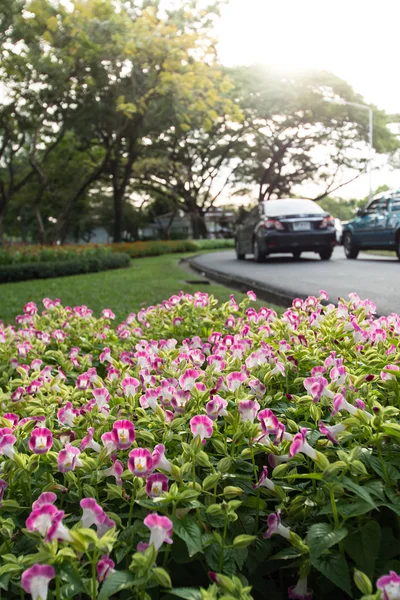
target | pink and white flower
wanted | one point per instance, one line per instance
(116, 471)
(18, 394)
(104, 525)
(248, 410)
(275, 526)
(389, 376)
(252, 296)
(68, 459)
(317, 387)
(156, 484)
(107, 313)
(159, 461)
(300, 590)
(41, 440)
(102, 397)
(105, 356)
(92, 512)
(269, 422)
(264, 481)
(104, 568)
(108, 442)
(7, 441)
(123, 434)
(67, 415)
(130, 386)
(89, 442)
(35, 580)
(140, 462)
(12, 418)
(188, 379)
(44, 498)
(331, 431)
(390, 586)
(160, 529)
(202, 426)
(216, 407)
(300, 444)
(340, 404)
(234, 380)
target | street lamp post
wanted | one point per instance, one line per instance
(370, 134)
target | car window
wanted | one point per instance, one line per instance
(372, 208)
(395, 205)
(384, 205)
(295, 206)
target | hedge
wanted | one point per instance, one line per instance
(156, 248)
(25, 253)
(80, 264)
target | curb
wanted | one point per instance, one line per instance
(243, 284)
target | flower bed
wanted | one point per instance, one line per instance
(156, 248)
(200, 451)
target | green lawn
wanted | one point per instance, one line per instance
(381, 252)
(148, 281)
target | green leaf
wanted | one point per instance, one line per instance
(240, 556)
(322, 536)
(186, 593)
(242, 541)
(116, 582)
(335, 568)
(162, 577)
(376, 465)
(358, 490)
(363, 546)
(189, 531)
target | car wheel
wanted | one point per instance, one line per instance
(350, 250)
(326, 254)
(239, 254)
(296, 254)
(259, 257)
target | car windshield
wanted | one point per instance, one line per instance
(275, 208)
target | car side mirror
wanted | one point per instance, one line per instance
(360, 212)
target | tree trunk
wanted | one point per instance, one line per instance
(199, 227)
(118, 215)
(40, 226)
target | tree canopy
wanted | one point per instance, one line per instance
(106, 100)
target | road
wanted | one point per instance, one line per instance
(373, 277)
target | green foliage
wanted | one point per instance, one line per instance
(239, 527)
(82, 263)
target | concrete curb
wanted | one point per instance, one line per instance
(243, 284)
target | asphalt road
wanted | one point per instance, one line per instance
(373, 277)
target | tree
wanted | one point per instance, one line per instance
(294, 136)
(193, 161)
(141, 57)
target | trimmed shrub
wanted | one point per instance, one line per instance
(84, 263)
(24, 253)
(156, 248)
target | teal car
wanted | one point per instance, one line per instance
(375, 227)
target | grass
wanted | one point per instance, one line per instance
(148, 281)
(391, 253)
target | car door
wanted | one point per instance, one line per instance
(381, 226)
(393, 220)
(363, 225)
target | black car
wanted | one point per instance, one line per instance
(293, 226)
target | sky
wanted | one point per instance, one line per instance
(357, 40)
